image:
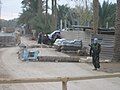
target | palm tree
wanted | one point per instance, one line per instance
(107, 14)
(46, 15)
(54, 14)
(32, 10)
(116, 56)
(40, 7)
(95, 14)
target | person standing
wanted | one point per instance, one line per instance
(40, 38)
(94, 52)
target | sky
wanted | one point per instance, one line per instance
(11, 8)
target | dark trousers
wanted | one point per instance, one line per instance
(95, 61)
(39, 41)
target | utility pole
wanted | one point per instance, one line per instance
(0, 9)
(0, 15)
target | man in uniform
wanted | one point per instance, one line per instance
(94, 52)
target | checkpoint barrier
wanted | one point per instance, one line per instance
(64, 80)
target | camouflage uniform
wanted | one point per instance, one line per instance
(94, 52)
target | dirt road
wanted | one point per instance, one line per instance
(12, 67)
(3, 72)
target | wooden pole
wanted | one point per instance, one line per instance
(0, 16)
(0, 9)
(64, 85)
(64, 80)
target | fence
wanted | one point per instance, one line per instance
(64, 80)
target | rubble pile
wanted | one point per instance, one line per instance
(9, 39)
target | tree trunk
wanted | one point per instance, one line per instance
(52, 24)
(116, 56)
(39, 6)
(54, 14)
(95, 16)
(53, 1)
(46, 16)
(46, 7)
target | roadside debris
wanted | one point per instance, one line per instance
(28, 54)
(68, 45)
(9, 39)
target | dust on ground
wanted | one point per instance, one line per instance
(3, 71)
(111, 67)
